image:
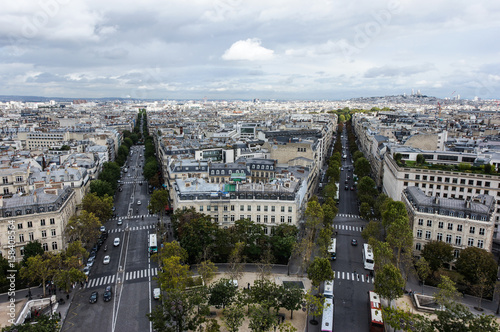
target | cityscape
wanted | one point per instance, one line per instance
(224, 165)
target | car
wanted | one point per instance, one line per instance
(106, 259)
(139, 203)
(348, 177)
(113, 208)
(120, 222)
(341, 168)
(346, 181)
(103, 229)
(156, 293)
(116, 242)
(93, 297)
(92, 254)
(107, 294)
(90, 261)
(352, 188)
(86, 270)
(354, 242)
(120, 189)
(346, 187)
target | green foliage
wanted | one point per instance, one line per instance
(362, 167)
(420, 159)
(40, 268)
(42, 323)
(282, 242)
(291, 298)
(150, 169)
(473, 262)
(33, 248)
(400, 236)
(174, 274)
(423, 269)
(222, 293)
(260, 318)
(372, 230)
(173, 249)
(101, 207)
(266, 293)
(437, 253)
(464, 167)
(101, 188)
(84, 227)
(158, 201)
(207, 271)
(389, 282)
(357, 155)
(110, 173)
(233, 317)
(319, 271)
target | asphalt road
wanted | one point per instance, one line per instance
(130, 272)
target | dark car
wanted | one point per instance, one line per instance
(346, 187)
(107, 294)
(346, 181)
(93, 297)
(354, 242)
(352, 188)
(348, 177)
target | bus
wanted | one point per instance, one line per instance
(152, 246)
(332, 250)
(368, 261)
(327, 320)
(376, 320)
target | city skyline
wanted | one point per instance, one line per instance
(231, 49)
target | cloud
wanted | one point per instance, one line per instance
(249, 49)
(395, 71)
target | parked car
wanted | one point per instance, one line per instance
(107, 294)
(86, 270)
(93, 297)
(106, 259)
(90, 261)
(156, 293)
(103, 229)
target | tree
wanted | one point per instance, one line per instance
(420, 159)
(291, 298)
(447, 293)
(128, 142)
(158, 202)
(101, 207)
(39, 323)
(314, 304)
(423, 270)
(367, 190)
(235, 268)
(282, 242)
(174, 274)
(400, 236)
(207, 271)
(389, 282)
(372, 230)
(356, 155)
(150, 169)
(392, 211)
(110, 173)
(437, 253)
(462, 167)
(84, 227)
(40, 267)
(222, 293)
(173, 249)
(233, 317)
(362, 167)
(365, 210)
(33, 248)
(261, 319)
(474, 261)
(320, 270)
(101, 188)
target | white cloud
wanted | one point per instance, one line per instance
(249, 49)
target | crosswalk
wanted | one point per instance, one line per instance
(348, 215)
(349, 228)
(357, 277)
(132, 275)
(137, 216)
(134, 228)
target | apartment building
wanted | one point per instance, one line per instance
(14, 179)
(41, 215)
(461, 223)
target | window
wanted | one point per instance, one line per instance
(456, 253)
(265, 219)
(479, 183)
(216, 208)
(45, 247)
(487, 184)
(480, 243)
(20, 226)
(419, 233)
(429, 223)
(459, 228)
(481, 231)
(428, 235)
(440, 237)
(225, 218)
(54, 245)
(31, 237)
(6, 191)
(225, 208)
(258, 218)
(242, 208)
(420, 222)
(249, 208)
(44, 234)
(273, 219)
(440, 224)
(458, 240)
(21, 237)
(472, 230)
(282, 209)
(216, 218)
(209, 207)
(282, 219)
(470, 242)
(42, 222)
(273, 208)
(417, 177)
(407, 176)
(450, 226)
(448, 238)
(289, 219)
(242, 217)
(462, 181)
(19, 178)
(258, 207)
(53, 232)
(30, 224)
(201, 208)
(290, 209)
(232, 207)
(5, 180)
(418, 246)
(471, 182)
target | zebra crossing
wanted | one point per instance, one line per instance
(134, 228)
(348, 215)
(132, 275)
(137, 216)
(357, 277)
(349, 228)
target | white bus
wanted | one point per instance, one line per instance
(152, 245)
(332, 250)
(368, 261)
(327, 321)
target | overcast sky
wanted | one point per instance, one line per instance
(244, 49)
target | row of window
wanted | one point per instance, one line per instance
(265, 218)
(449, 238)
(458, 242)
(479, 183)
(45, 247)
(460, 214)
(6, 190)
(5, 179)
(450, 226)
(30, 223)
(242, 208)
(31, 236)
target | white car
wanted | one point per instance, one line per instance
(139, 203)
(156, 293)
(106, 259)
(116, 242)
(86, 270)
(103, 229)
(90, 261)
